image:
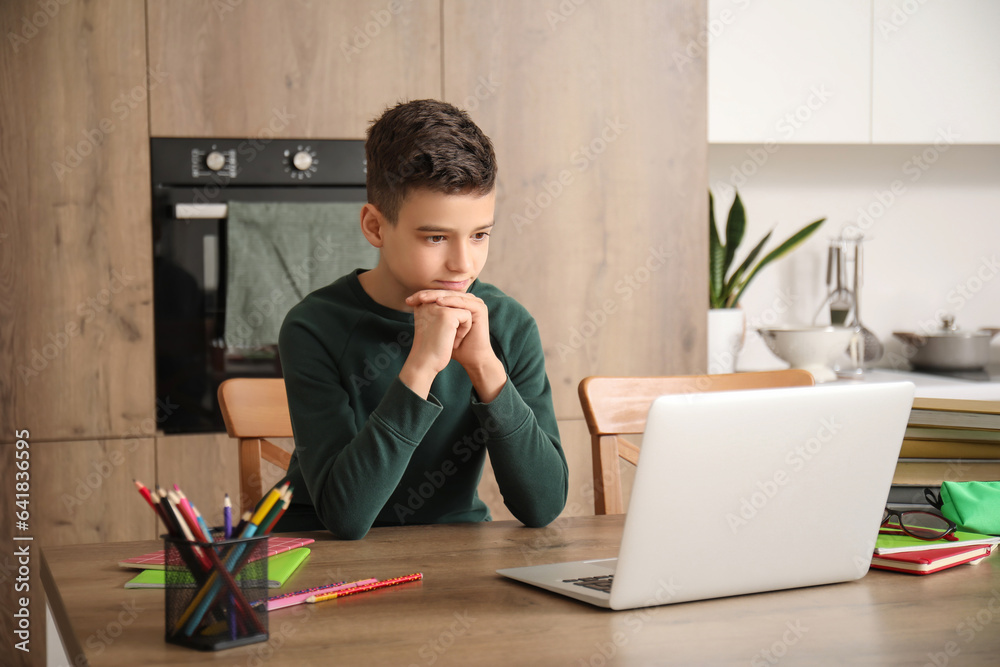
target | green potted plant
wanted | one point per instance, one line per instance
(726, 284)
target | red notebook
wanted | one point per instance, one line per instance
(928, 561)
(275, 545)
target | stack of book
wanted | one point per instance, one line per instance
(902, 553)
(949, 439)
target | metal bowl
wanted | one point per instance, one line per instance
(810, 348)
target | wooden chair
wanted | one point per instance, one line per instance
(616, 406)
(255, 409)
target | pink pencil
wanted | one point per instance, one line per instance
(298, 597)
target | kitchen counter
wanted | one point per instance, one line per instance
(935, 386)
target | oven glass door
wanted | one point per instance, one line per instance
(192, 356)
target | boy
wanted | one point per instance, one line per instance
(401, 378)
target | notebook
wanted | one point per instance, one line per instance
(935, 560)
(892, 544)
(275, 545)
(747, 491)
(279, 569)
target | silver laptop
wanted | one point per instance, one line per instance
(747, 491)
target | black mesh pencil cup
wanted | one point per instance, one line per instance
(216, 593)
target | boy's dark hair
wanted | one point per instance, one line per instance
(426, 144)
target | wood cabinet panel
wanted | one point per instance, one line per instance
(75, 245)
(206, 467)
(789, 72)
(602, 201)
(936, 73)
(80, 492)
(288, 69)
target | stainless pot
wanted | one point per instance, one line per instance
(949, 348)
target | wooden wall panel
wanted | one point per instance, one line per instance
(599, 119)
(80, 492)
(75, 244)
(206, 466)
(327, 67)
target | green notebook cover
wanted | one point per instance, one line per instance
(888, 544)
(279, 568)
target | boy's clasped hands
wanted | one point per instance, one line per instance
(448, 325)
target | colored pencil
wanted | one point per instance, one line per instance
(201, 603)
(172, 528)
(227, 516)
(149, 499)
(299, 597)
(362, 589)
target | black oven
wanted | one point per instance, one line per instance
(194, 182)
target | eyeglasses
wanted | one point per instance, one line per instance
(919, 524)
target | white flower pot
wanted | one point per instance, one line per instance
(726, 331)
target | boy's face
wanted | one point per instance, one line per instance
(439, 241)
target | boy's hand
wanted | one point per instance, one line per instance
(472, 349)
(437, 330)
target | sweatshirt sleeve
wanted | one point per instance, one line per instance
(523, 438)
(349, 472)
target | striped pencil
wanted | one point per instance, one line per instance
(362, 589)
(298, 597)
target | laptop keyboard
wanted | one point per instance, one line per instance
(599, 583)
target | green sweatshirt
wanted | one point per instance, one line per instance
(368, 451)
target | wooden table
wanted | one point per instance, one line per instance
(462, 613)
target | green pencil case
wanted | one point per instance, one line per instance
(974, 506)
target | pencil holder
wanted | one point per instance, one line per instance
(216, 593)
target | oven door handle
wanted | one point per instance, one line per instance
(201, 211)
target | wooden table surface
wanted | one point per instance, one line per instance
(462, 613)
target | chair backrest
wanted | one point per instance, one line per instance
(616, 406)
(255, 409)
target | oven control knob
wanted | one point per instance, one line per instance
(302, 160)
(215, 160)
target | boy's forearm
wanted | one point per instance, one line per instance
(488, 379)
(417, 378)
(527, 459)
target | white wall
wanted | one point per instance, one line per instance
(931, 214)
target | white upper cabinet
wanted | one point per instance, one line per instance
(936, 71)
(788, 71)
(854, 71)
